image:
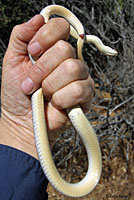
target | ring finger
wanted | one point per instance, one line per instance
(67, 72)
(78, 92)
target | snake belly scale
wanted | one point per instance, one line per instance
(76, 115)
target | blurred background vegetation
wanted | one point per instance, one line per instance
(112, 111)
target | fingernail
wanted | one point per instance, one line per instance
(34, 48)
(27, 85)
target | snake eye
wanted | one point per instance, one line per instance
(82, 36)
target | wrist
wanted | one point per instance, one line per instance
(16, 135)
(20, 134)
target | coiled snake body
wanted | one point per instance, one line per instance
(76, 115)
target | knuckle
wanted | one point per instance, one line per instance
(46, 32)
(64, 25)
(72, 67)
(48, 88)
(64, 47)
(38, 70)
(59, 25)
(57, 101)
(61, 22)
(16, 30)
(77, 91)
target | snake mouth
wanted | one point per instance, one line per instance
(110, 51)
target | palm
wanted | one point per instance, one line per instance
(16, 103)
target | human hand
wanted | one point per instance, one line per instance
(64, 79)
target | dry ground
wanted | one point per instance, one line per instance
(117, 179)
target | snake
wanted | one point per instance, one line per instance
(76, 115)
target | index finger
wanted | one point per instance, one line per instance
(56, 29)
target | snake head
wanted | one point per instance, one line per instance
(109, 51)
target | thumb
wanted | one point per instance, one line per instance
(23, 33)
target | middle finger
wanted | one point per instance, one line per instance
(49, 61)
(68, 71)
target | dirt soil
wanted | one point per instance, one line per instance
(117, 179)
